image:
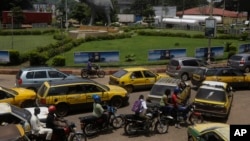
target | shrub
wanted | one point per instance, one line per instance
(231, 53)
(37, 59)
(58, 61)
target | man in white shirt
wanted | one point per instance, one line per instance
(38, 127)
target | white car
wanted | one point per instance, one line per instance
(10, 114)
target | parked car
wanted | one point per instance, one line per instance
(162, 84)
(20, 97)
(135, 78)
(232, 76)
(240, 61)
(214, 99)
(10, 114)
(209, 132)
(33, 77)
(183, 67)
(77, 94)
(13, 132)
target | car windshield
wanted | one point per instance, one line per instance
(25, 114)
(211, 72)
(158, 90)
(10, 91)
(120, 73)
(211, 94)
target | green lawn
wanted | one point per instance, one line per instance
(137, 45)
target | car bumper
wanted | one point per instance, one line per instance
(212, 113)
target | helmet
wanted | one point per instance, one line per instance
(176, 90)
(52, 109)
(96, 98)
(36, 110)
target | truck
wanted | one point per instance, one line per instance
(30, 17)
(126, 18)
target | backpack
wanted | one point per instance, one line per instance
(137, 106)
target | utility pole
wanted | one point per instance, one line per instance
(66, 13)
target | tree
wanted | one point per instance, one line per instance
(142, 8)
(17, 15)
(81, 13)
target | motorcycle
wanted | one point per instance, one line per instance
(96, 70)
(91, 125)
(184, 114)
(69, 131)
(153, 121)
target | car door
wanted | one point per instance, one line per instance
(76, 94)
(137, 79)
(94, 89)
(56, 75)
(150, 78)
(38, 78)
(224, 75)
(238, 78)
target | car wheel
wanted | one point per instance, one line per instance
(116, 102)
(28, 103)
(62, 109)
(247, 70)
(184, 77)
(129, 88)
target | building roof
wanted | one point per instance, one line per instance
(205, 10)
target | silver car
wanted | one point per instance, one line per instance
(33, 77)
(240, 61)
(183, 67)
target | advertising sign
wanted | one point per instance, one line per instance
(210, 27)
(215, 52)
(4, 56)
(84, 57)
(244, 48)
(165, 54)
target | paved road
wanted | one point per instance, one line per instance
(240, 114)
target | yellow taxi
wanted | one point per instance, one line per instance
(208, 132)
(77, 94)
(20, 97)
(134, 78)
(214, 99)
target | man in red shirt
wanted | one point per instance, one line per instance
(176, 105)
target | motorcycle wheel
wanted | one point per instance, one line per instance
(100, 73)
(194, 119)
(162, 127)
(78, 137)
(84, 73)
(89, 130)
(117, 122)
(130, 128)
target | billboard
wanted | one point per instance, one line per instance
(4, 56)
(215, 52)
(108, 56)
(244, 48)
(164, 54)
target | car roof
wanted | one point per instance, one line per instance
(71, 81)
(184, 58)
(38, 68)
(168, 80)
(215, 84)
(134, 69)
(14, 131)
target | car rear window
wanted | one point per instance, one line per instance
(235, 57)
(211, 94)
(120, 73)
(190, 63)
(158, 90)
(174, 63)
(19, 73)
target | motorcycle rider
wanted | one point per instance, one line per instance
(98, 110)
(89, 66)
(53, 122)
(176, 105)
(38, 127)
(165, 105)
